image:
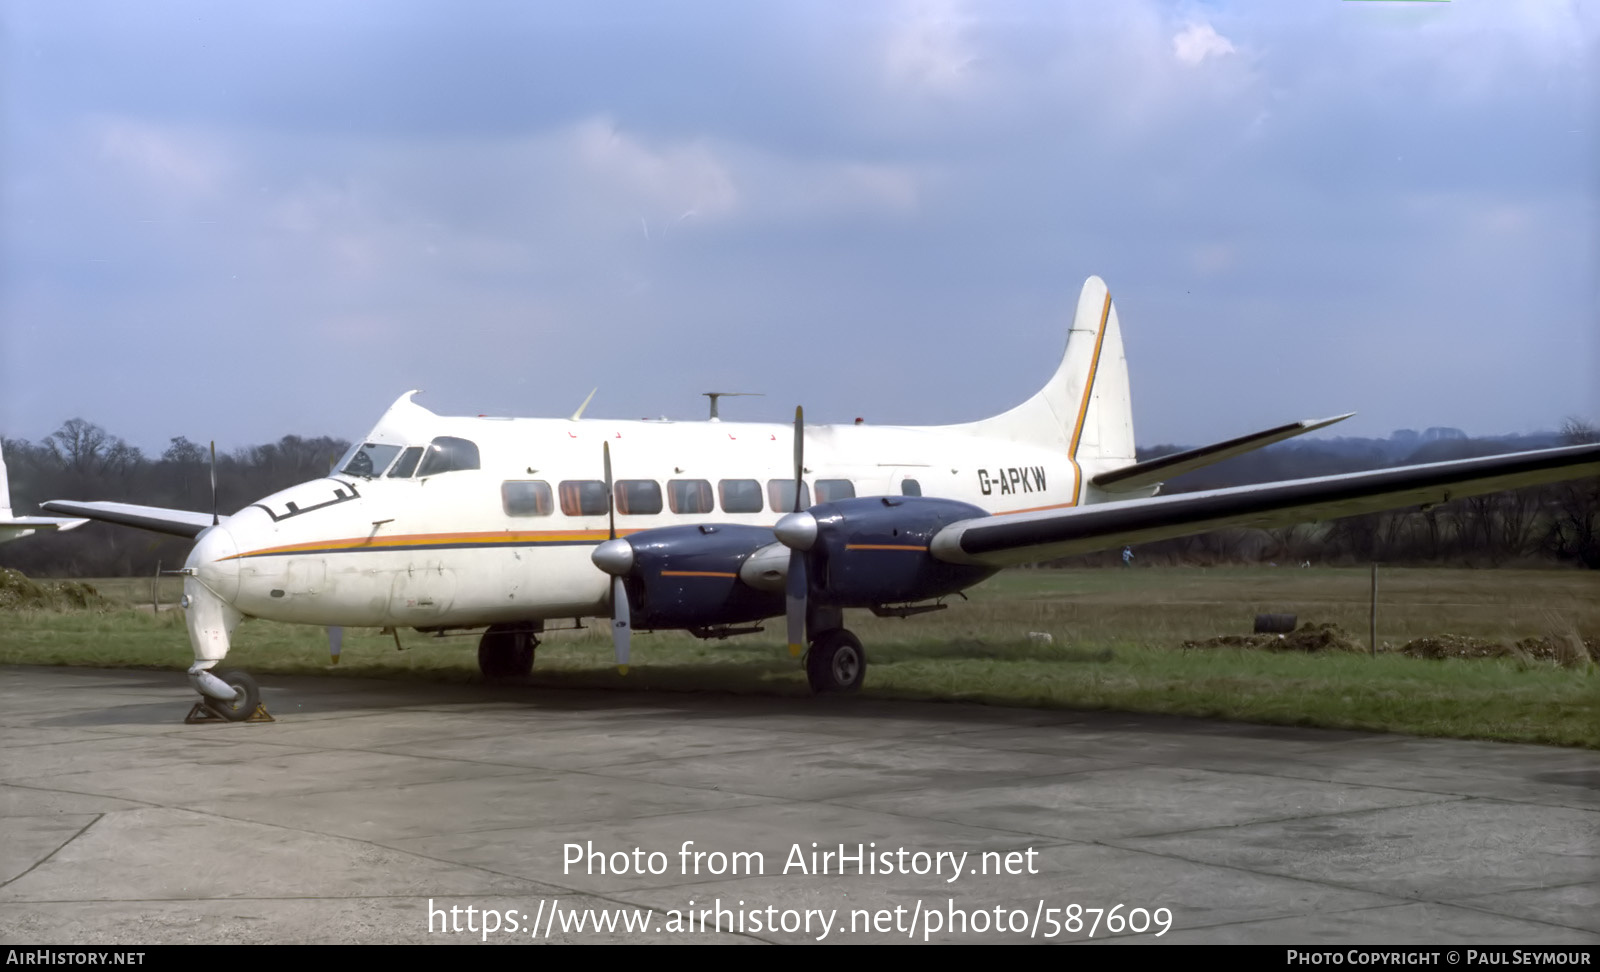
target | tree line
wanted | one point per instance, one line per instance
(1554, 524)
(82, 460)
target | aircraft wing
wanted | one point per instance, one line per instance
(999, 541)
(178, 523)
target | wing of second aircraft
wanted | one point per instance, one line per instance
(1000, 541)
(178, 523)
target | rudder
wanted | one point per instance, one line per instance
(1085, 410)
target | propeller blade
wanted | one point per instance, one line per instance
(796, 589)
(214, 519)
(795, 602)
(611, 499)
(621, 626)
(799, 452)
(335, 643)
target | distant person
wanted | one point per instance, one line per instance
(1127, 556)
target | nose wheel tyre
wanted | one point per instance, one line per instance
(836, 662)
(244, 705)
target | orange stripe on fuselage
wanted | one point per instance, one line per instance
(496, 537)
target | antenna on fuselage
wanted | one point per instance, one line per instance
(579, 413)
(716, 395)
(214, 519)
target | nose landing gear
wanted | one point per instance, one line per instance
(243, 703)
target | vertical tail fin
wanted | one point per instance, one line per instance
(1085, 409)
(5, 488)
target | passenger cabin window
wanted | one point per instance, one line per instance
(780, 493)
(407, 464)
(369, 460)
(526, 498)
(829, 490)
(692, 496)
(584, 497)
(740, 495)
(638, 497)
(448, 454)
(910, 487)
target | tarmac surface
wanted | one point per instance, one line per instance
(370, 806)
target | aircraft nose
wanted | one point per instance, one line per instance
(214, 562)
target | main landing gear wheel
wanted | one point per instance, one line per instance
(506, 651)
(836, 662)
(242, 707)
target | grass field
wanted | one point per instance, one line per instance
(1116, 639)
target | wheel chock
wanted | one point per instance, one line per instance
(202, 713)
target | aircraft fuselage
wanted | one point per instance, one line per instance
(458, 549)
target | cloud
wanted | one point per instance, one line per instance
(1196, 42)
(169, 159)
(928, 50)
(676, 177)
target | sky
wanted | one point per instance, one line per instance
(241, 221)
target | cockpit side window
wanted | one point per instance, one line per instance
(448, 454)
(407, 464)
(370, 460)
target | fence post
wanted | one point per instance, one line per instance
(1373, 633)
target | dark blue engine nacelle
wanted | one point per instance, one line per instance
(688, 577)
(872, 551)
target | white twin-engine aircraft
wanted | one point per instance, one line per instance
(436, 523)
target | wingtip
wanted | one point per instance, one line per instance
(1309, 424)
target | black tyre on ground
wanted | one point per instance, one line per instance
(836, 662)
(506, 651)
(242, 707)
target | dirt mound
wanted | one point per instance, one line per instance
(1308, 637)
(18, 593)
(1458, 646)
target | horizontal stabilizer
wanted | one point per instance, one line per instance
(1000, 541)
(1153, 472)
(41, 523)
(178, 523)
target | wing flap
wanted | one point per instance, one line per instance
(1030, 537)
(1152, 472)
(177, 523)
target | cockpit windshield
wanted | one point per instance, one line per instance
(369, 460)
